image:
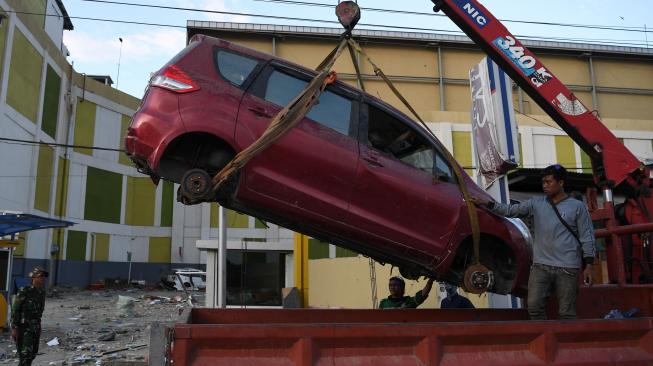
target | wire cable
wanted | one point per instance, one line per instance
(277, 17)
(53, 144)
(407, 12)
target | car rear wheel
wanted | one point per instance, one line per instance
(195, 187)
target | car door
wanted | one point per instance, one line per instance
(309, 170)
(405, 194)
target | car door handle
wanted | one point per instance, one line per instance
(373, 161)
(260, 112)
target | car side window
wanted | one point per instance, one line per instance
(332, 110)
(234, 67)
(393, 137)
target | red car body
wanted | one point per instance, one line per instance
(355, 172)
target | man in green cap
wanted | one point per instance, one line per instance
(26, 314)
(397, 300)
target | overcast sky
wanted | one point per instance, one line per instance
(94, 46)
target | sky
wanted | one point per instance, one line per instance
(95, 48)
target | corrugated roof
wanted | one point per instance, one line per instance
(411, 36)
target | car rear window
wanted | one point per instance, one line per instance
(234, 67)
(332, 110)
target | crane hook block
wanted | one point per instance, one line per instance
(348, 14)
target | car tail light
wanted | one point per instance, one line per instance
(172, 78)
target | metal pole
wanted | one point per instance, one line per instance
(595, 102)
(222, 259)
(441, 76)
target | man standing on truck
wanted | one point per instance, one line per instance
(26, 314)
(397, 300)
(454, 300)
(564, 243)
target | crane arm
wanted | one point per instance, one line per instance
(613, 164)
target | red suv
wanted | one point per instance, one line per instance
(355, 172)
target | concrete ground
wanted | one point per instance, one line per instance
(99, 327)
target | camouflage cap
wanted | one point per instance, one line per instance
(38, 272)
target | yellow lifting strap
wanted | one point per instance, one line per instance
(471, 208)
(286, 119)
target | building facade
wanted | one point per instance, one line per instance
(432, 72)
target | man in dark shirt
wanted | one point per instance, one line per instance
(397, 300)
(454, 300)
(26, 313)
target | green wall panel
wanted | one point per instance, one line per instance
(44, 179)
(565, 152)
(62, 187)
(462, 150)
(84, 134)
(3, 41)
(260, 224)
(37, 9)
(235, 220)
(103, 196)
(317, 249)
(24, 77)
(101, 250)
(167, 203)
(76, 246)
(51, 103)
(345, 253)
(139, 205)
(124, 123)
(159, 250)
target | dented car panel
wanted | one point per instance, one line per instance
(355, 171)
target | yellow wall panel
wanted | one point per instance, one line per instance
(261, 44)
(625, 106)
(570, 70)
(311, 53)
(424, 97)
(457, 63)
(160, 250)
(139, 205)
(621, 74)
(421, 62)
(565, 152)
(457, 98)
(101, 247)
(44, 175)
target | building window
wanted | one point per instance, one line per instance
(255, 278)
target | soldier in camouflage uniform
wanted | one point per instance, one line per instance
(26, 317)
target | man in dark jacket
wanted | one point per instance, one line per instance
(26, 313)
(454, 300)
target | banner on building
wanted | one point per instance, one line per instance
(494, 128)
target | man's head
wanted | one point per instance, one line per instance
(38, 276)
(397, 286)
(553, 180)
(450, 289)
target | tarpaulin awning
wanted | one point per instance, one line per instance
(11, 223)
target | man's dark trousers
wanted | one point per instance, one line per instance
(545, 280)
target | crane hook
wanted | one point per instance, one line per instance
(349, 13)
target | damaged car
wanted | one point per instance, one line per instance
(355, 172)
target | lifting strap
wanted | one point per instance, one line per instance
(286, 119)
(471, 208)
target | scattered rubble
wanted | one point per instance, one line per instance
(107, 327)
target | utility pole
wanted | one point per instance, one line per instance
(119, 58)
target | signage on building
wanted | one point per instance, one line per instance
(493, 121)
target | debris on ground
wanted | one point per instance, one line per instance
(107, 327)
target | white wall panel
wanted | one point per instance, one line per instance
(76, 191)
(642, 149)
(15, 167)
(107, 134)
(37, 242)
(545, 151)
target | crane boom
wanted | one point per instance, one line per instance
(613, 164)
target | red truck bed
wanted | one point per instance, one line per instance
(305, 337)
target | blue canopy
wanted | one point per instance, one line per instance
(11, 223)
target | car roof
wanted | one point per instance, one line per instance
(266, 57)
